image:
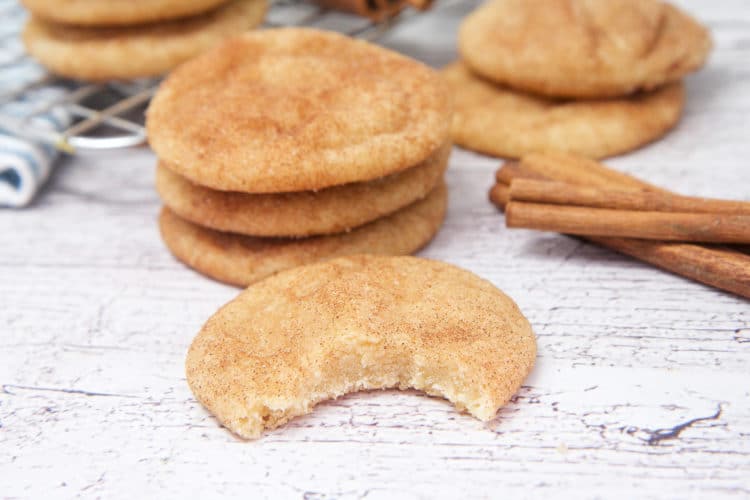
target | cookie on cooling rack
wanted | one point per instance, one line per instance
(502, 122)
(116, 12)
(356, 323)
(241, 260)
(333, 210)
(297, 109)
(97, 54)
(582, 48)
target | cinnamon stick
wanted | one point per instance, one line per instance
(664, 226)
(499, 194)
(512, 170)
(563, 193)
(377, 10)
(715, 266)
(583, 171)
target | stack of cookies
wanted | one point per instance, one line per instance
(125, 39)
(589, 77)
(284, 147)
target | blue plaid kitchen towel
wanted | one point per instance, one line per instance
(25, 162)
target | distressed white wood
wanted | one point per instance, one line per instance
(641, 387)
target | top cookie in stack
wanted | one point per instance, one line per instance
(590, 77)
(121, 39)
(287, 146)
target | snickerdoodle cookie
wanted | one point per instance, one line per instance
(241, 260)
(116, 12)
(304, 213)
(297, 109)
(582, 48)
(90, 53)
(355, 323)
(502, 122)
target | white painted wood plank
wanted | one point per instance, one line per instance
(640, 387)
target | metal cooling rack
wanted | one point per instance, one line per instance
(111, 115)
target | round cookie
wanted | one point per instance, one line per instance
(297, 109)
(116, 12)
(357, 323)
(582, 48)
(306, 213)
(140, 51)
(241, 260)
(501, 122)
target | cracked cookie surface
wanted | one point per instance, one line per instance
(297, 109)
(582, 48)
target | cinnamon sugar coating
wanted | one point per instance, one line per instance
(304, 213)
(502, 122)
(97, 54)
(356, 323)
(297, 109)
(116, 12)
(582, 48)
(241, 260)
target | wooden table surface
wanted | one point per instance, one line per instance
(640, 390)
